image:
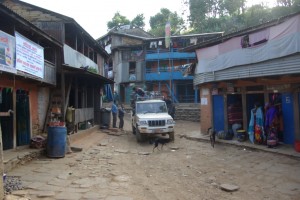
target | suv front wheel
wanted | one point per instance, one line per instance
(139, 136)
(172, 136)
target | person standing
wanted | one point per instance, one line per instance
(114, 110)
(170, 106)
(121, 117)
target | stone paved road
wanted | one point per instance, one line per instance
(115, 167)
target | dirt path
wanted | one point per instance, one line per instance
(116, 167)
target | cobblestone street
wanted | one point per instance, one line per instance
(113, 166)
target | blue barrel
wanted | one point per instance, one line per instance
(56, 141)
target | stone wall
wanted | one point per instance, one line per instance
(184, 111)
(188, 112)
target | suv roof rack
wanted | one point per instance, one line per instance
(149, 95)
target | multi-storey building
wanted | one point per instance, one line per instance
(165, 67)
(80, 65)
(29, 59)
(139, 59)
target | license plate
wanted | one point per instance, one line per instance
(157, 131)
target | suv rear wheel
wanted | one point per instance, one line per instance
(133, 130)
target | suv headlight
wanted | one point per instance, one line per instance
(143, 122)
(170, 121)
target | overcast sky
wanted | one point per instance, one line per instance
(93, 15)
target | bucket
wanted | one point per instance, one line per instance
(297, 145)
(56, 141)
(241, 135)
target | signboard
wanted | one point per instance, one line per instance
(204, 101)
(7, 53)
(29, 56)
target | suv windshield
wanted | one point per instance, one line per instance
(151, 107)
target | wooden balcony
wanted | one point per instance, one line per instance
(76, 59)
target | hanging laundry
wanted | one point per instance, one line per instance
(193, 41)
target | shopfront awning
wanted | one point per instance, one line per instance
(84, 75)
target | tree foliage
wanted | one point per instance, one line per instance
(210, 16)
(233, 15)
(117, 20)
(120, 20)
(138, 21)
(158, 22)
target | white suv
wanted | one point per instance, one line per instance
(149, 118)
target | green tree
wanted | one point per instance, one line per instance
(202, 10)
(257, 14)
(138, 21)
(232, 15)
(234, 6)
(198, 10)
(158, 22)
(118, 20)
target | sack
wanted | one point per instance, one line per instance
(38, 142)
(221, 135)
(272, 137)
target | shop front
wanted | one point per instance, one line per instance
(21, 97)
(238, 105)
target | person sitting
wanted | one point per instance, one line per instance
(139, 93)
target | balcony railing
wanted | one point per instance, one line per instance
(179, 68)
(84, 114)
(161, 50)
(76, 59)
(164, 54)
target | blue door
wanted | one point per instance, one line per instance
(128, 94)
(218, 111)
(288, 118)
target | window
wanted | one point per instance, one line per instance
(245, 41)
(132, 66)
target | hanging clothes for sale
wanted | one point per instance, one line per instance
(256, 125)
(272, 125)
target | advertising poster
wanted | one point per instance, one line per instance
(29, 56)
(7, 53)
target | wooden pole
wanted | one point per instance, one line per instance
(2, 114)
(1, 164)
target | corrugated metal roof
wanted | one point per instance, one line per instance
(248, 30)
(281, 66)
